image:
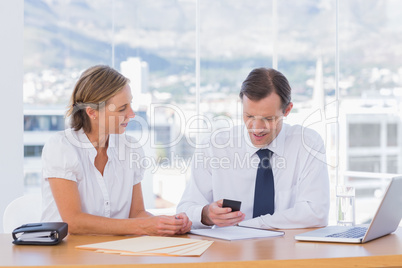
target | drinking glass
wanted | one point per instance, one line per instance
(345, 205)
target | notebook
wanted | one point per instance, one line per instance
(385, 221)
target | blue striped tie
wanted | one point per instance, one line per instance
(264, 196)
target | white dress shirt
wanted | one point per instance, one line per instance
(70, 155)
(226, 167)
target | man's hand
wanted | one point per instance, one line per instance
(214, 213)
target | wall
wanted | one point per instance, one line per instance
(11, 107)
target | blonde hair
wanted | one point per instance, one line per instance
(96, 85)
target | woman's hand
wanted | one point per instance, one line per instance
(186, 223)
(166, 225)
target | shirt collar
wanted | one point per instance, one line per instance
(277, 146)
(86, 143)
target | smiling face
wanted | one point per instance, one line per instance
(263, 118)
(114, 117)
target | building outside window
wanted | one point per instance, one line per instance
(186, 60)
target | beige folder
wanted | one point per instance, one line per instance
(152, 245)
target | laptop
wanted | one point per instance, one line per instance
(385, 221)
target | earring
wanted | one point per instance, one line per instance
(94, 117)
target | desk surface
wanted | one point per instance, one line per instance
(276, 251)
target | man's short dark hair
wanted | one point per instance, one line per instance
(261, 82)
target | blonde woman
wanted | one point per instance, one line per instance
(88, 180)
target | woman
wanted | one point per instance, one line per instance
(88, 181)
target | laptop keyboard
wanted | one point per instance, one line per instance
(354, 232)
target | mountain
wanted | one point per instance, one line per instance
(234, 37)
(60, 34)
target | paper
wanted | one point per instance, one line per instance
(152, 245)
(236, 232)
(44, 236)
(195, 249)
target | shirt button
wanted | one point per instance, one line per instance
(107, 203)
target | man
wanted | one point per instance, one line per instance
(286, 186)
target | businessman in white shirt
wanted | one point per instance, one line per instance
(285, 187)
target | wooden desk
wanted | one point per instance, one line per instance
(273, 252)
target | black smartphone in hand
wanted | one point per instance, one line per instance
(233, 204)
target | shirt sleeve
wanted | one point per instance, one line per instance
(59, 159)
(198, 192)
(312, 194)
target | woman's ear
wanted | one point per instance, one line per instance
(92, 113)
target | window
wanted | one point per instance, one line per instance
(33, 150)
(370, 163)
(188, 58)
(369, 86)
(43, 122)
(392, 135)
(364, 135)
(392, 164)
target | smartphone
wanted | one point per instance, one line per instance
(233, 204)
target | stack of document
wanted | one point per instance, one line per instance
(152, 245)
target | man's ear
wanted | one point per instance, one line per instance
(92, 113)
(288, 109)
